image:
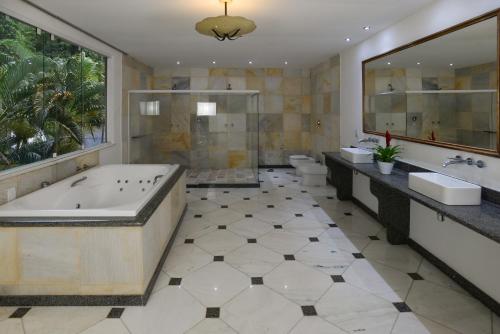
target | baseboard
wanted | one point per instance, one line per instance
(224, 185)
(275, 166)
(93, 300)
(467, 285)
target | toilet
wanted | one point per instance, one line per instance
(299, 163)
(296, 160)
(314, 174)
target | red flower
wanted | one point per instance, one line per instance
(388, 138)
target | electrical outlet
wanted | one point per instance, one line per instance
(11, 194)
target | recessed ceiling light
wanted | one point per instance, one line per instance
(388, 63)
(250, 62)
(286, 62)
(418, 63)
(451, 64)
(366, 28)
(213, 62)
(347, 39)
(178, 62)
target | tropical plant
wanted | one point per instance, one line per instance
(388, 153)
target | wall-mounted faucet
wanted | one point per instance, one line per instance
(459, 160)
(369, 140)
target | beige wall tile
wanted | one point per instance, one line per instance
(8, 256)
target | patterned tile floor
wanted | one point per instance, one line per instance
(270, 260)
(217, 176)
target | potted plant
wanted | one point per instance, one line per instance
(386, 156)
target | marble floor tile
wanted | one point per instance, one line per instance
(219, 242)
(283, 242)
(429, 272)
(254, 259)
(5, 312)
(298, 282)
(337, 238)
(11, 326)
(223, 216)
(171, 308)
(449, 308)
(215, 284)
(211, 326)
(274, 216)
(318, 214)
(398, 257)
(410, 323)
(247, 206)
(327, 258)
(356, 310)
(305, 226)
(195, 228)
(203, 206)
(250, 228)
(378, 279)
(62, 320)
(107, 326)
(316, 325)
(161, 282)
(260, 310)
(359, 224)
(184, 259)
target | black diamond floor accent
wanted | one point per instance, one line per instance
(198, 216)
(265, 192)
(304, 191)
(224, 206)
(374, 237)
(226, 192)
(204, 198)
(295, 181)
(252, 241)
(329, 197)
(299, 215)
(270, 206)
(358, 255)
(248, 216)
(278, 227)
(218, 258)
(288, 198)
(213, 312)
(280, 186)
(270, 170)
(289, 257)
(222, 227)
(347, 213)
(402, 307)
(332, 225)
(20, 312)
(313, 239)
(416, 276)
(338, 278)
(257, 281)
(115, 313)
(309, 310)
(315, 205)
(246, 198)
(175, 281)
(189, 241)
(188, 192)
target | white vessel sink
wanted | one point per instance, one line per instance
(445, 189)
(356, 155)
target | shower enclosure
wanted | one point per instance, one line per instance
(212, 133)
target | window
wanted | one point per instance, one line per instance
(52, 95)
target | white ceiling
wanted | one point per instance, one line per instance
(303, 32)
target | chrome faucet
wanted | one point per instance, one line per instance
(45, 184)
(157, 177)
(75, 183)
(457, 160)
(369, 140)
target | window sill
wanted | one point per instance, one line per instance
(16, 171)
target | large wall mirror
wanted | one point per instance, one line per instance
(441, 90)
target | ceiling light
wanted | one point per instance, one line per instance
(347, 39)
(250, 62)
(388, 63)
(213, 62)
(225, 27)
(366, 28)
(286, 62)
(418, 63)
(178, 62)
(451, 64)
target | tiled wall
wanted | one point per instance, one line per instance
(31, 181)
(135, 76)
(325, 116)
(285, 104)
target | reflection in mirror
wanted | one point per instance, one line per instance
(443, 90)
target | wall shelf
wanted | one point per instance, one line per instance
(443, 91)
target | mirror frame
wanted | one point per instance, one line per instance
(490, 152)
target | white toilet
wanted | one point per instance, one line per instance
(313, 174)
(307, 161)
(296, 160)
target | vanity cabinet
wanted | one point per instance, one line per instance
(470, 254)
(361, 191)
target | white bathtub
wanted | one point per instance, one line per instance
(107, 191)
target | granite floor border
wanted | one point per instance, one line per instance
(223, 185)
(94, 300)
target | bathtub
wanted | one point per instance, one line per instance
(105, 191)
(100, 237)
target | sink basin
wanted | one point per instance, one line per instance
(445, 189)
(356, 155)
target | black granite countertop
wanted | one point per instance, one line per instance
(484, 218)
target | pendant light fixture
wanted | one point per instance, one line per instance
(225, 27)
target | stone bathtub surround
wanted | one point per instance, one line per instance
(90, 261)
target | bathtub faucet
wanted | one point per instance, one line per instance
(157, 177)
(78, 181)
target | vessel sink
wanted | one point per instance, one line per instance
(445, 189)
(356, 155)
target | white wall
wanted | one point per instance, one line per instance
(24, 12)
(435, 17)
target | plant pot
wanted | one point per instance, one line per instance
(385, 167)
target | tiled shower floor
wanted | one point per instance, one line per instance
(221, 176)
(280, 259)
